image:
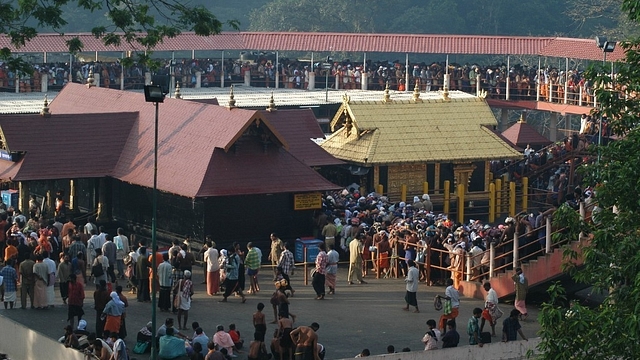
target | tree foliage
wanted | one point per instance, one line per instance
(612, 259)
(143, 23)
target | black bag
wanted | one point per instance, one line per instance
(97, 270)
(485, 337)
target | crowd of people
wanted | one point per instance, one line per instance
(377, 236)
(523, 80)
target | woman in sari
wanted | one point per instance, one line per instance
(113, 312)
(41, 273)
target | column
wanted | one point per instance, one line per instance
(23, 197)
(102, 200)
(17, 83)
(72, 195)
(553, 127)
(363, 81)
(567, 123)
(44, 83)
(147, 78)
(122, 81)
(504, 119)
(406, 74)
(312, 81)
(247, 78)
(198, 79)
(96, 77)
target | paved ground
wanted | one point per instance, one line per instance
(357, 317)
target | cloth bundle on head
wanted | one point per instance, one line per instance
(116, 298)
(425, 197)
(187, 274)
(82, 325)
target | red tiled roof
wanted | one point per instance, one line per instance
(65, 146)
(298, 126)
(521, 134)
(348, 42)
(251, 170)
(190, 134)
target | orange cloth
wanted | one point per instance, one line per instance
(10, 252)
(113, 323)
(444, 318)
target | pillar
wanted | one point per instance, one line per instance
(567, 123)
(512, 198)
(478, 85)
(406, 73)
(507, 79)
(547, 248)
(102, 200)
(380, 189)
(222, 70)
(425, 187)
(447, 195)
(364, 81)
(516, 245)
(525, 194)
(403, 192)
(498, 197)
(492, 202)
(247, 78)
(122, 81)
(504, 119)
(312, 81)
(44, 83)
(17, 83)
(96, 77)
(72, 195)
(461, 203)
(147, 78)
(23, 197)
(492, 259)
(198, 79)
(553, 127)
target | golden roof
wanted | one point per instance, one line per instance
(375, 132)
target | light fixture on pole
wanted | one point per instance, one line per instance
(154, 94)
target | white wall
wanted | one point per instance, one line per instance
(22, 343)
(513, 350)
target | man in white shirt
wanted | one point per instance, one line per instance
(412, 280)
(211, 258)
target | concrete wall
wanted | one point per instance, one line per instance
(20, 342)
(514, 350)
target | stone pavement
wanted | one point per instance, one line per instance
(356, 317)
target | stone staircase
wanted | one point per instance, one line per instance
(540, 270)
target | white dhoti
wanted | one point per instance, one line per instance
(50, 295)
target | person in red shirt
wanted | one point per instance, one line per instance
(235, 336)
(75, 300)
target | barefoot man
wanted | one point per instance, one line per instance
(306, 340)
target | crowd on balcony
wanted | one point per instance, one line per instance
(524, 82)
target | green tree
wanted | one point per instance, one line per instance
(612, 258)
(143, 23)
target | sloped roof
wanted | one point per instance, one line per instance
(521, 134)
(65, 146)
(251, 170)
(298, 126)
(348, 42)
(409, 132)
(188, 134)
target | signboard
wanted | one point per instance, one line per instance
(309, 201)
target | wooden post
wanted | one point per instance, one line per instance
(425, 187)
(515, 250)
(492, 202)
(461, 203)
(447, 195)
(304, 261)
(72, 195)
(403, 192)
(498, 197)
(468, 258)
(380, 189)
(492, 259)
(525, 194)
(548, 236)
(512, 198)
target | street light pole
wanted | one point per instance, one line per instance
(154, 94)
(154, 240)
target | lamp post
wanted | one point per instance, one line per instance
(154, 94)
(606, 47)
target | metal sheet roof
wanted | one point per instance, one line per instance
(347, 42)
(410, 132)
